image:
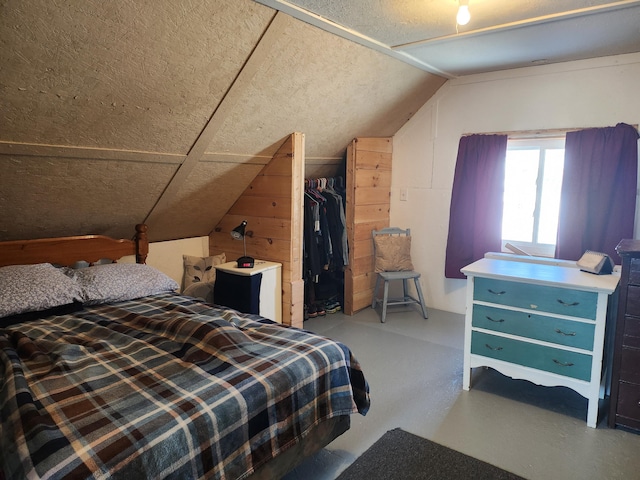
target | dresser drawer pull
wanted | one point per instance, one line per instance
(562, 364)
(502, 292)
(572, 304)
(566, 334)
(500, 320)
(492, 348)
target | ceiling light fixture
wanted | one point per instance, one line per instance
(463, 16)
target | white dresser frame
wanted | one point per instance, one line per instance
(551, 272)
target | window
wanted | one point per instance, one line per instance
(532, 185)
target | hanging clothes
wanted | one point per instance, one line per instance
(325, 233)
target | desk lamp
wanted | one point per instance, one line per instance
(238, 233)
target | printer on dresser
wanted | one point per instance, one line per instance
(625, 381)
(541, 320)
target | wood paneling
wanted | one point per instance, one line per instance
(272, 207)
(368, 203)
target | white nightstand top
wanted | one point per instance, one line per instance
(259, 266)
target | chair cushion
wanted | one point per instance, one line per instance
(393, 253)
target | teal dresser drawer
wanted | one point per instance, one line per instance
(539, 327)
(563, 301)
(540, 357)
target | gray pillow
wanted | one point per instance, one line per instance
(201, 290)
(117, 282)
(30, 288)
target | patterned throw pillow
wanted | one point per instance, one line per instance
(393, 253)
(117, 282)
(30, 288)
(200, 270)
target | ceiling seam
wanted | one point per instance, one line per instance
(351, 35)
(257, 57)
(88, 153)
(580, 12)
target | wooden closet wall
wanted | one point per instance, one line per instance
(272, 207)
(368, 201)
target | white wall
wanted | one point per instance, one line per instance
(167, 256)
(590, 93)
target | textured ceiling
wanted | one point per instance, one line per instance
(501, 34)
(114, 113)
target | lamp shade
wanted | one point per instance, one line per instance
(238, 232)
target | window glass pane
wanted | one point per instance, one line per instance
(520, 194)
(550, 199)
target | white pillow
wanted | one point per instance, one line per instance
(30, 288)
(117, 282)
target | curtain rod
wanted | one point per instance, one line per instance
(541, 133)
(530, 133)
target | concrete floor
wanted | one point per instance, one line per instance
(414, 369)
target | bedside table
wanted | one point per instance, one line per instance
(255, 290)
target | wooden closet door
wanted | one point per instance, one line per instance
(368, 201)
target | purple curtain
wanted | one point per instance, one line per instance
(475, 218)
(598, 200)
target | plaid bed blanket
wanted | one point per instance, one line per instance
(164, 387)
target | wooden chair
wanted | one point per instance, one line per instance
(402, 269)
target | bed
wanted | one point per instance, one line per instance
(107, 373)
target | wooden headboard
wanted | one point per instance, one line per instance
(69, 250)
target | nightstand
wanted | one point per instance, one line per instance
(255, 290)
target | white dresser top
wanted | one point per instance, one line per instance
(543, 273)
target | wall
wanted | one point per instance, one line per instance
(591, 93)
(167, 256)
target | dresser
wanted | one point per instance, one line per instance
(625, 380)
(541, 320)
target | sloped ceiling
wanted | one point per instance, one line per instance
(159, 111)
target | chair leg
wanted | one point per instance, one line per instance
(375, 292)
(384, 301)
(422, 304)
(405, 290)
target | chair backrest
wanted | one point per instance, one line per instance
(392, 231)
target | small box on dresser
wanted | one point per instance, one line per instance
(625, 386)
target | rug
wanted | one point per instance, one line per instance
(402, 455)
